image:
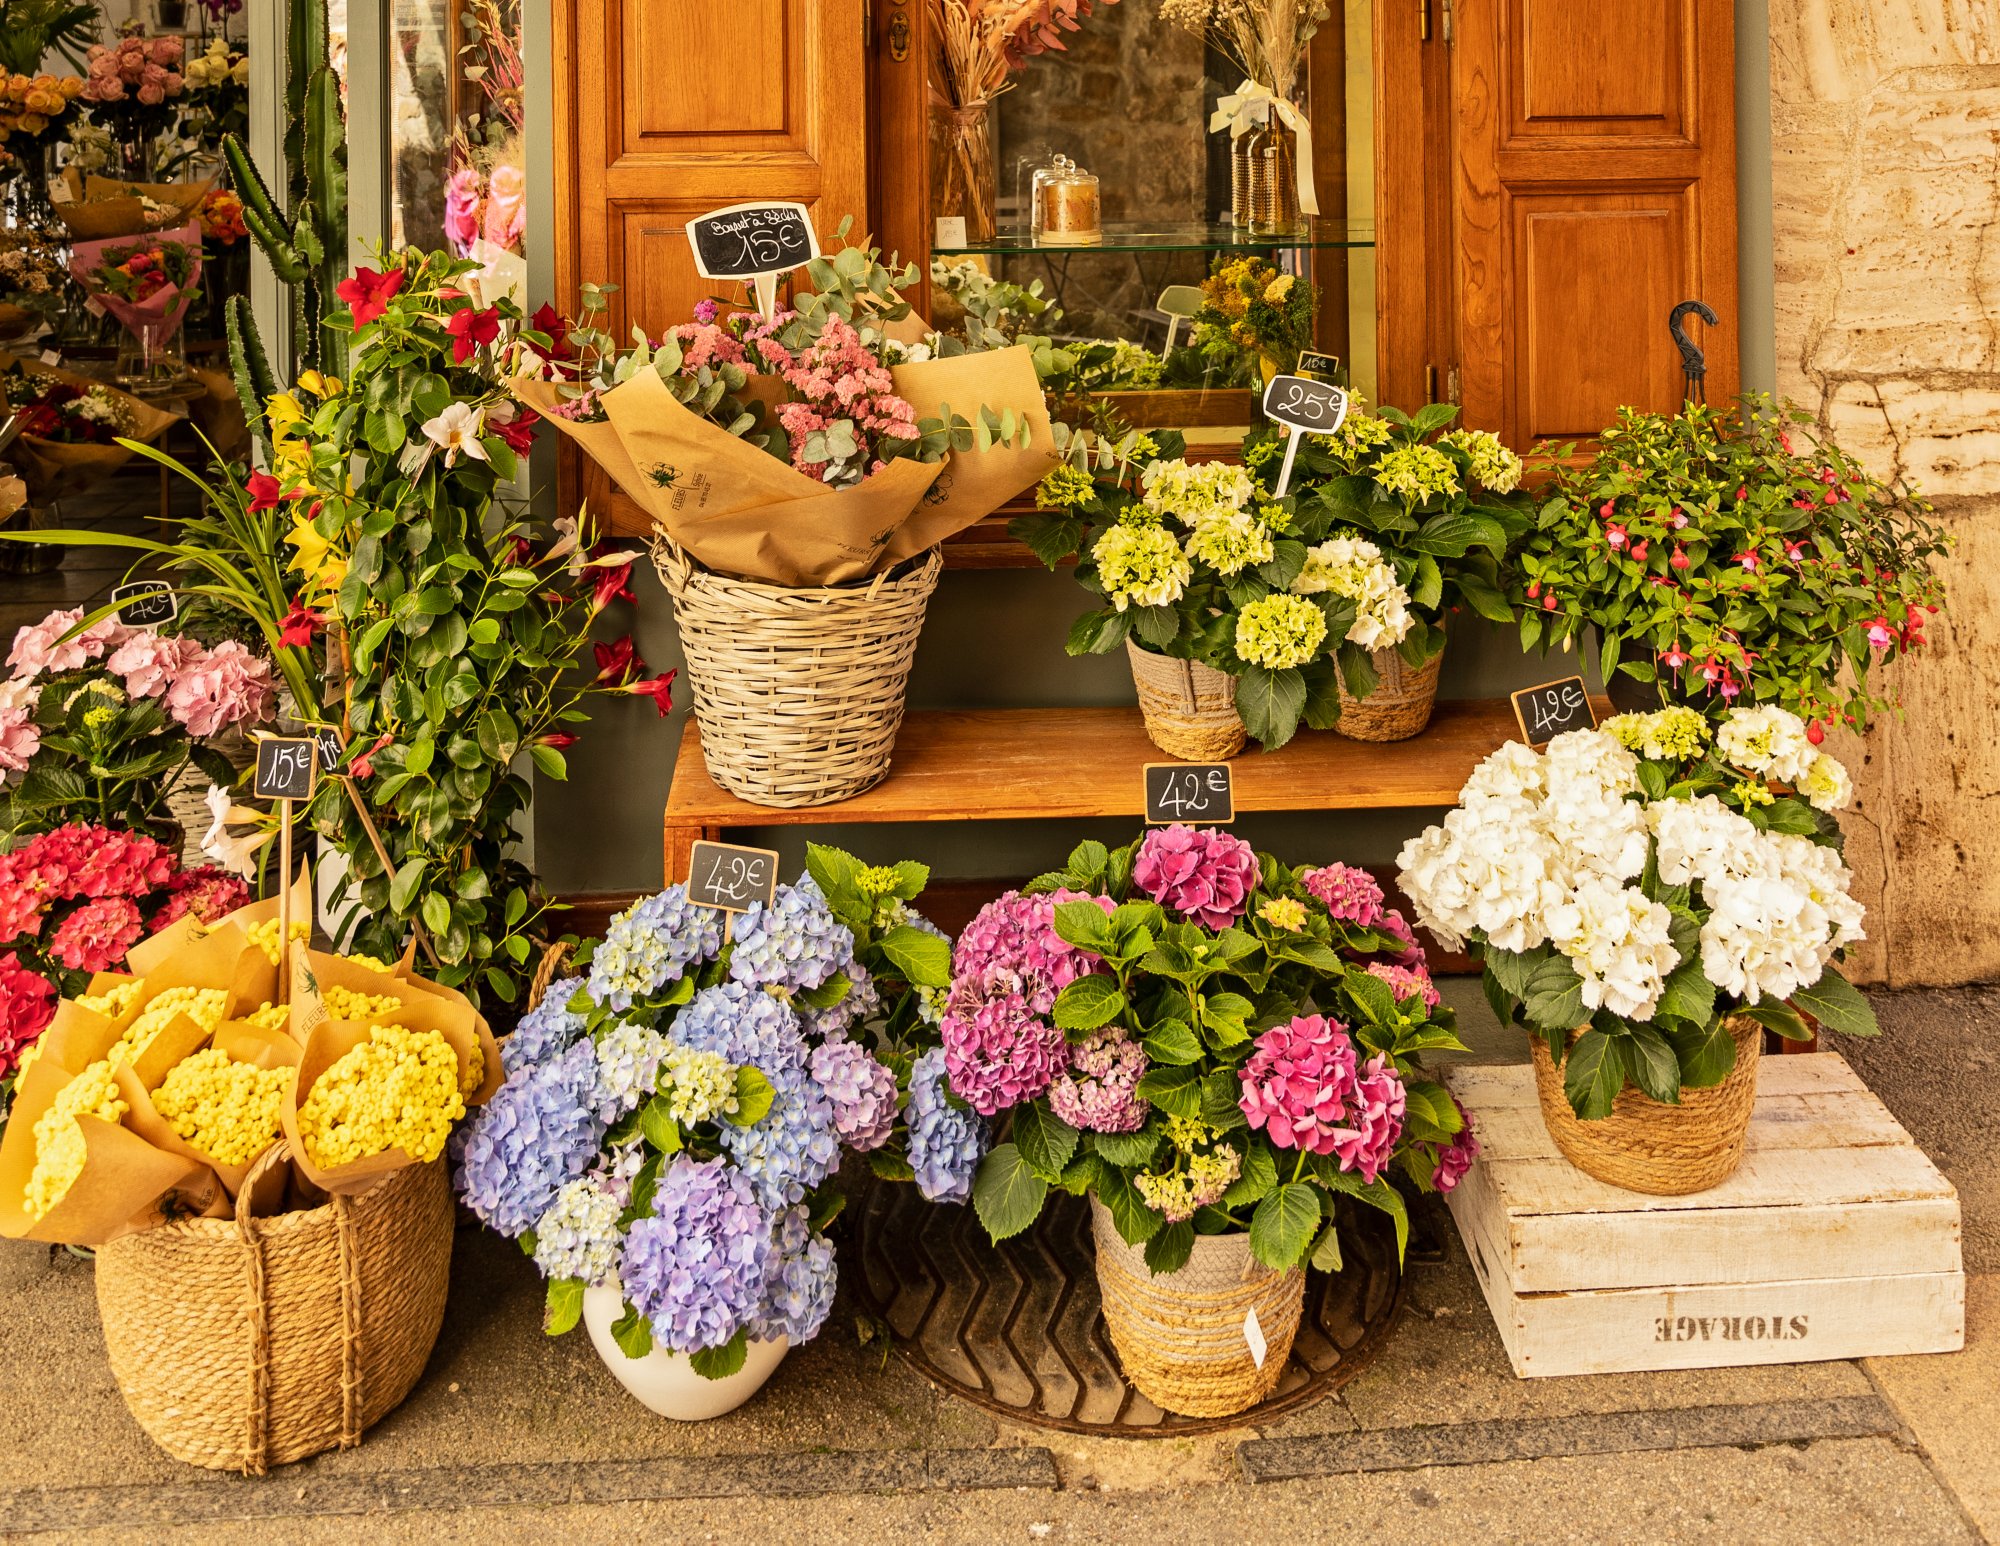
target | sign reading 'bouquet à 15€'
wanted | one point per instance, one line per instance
(746, 240)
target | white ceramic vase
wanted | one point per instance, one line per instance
(665, 1382)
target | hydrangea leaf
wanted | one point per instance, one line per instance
(1088, 1003)
(753, 1096)
(1007, 1194)
(657, 1123)
(633, 1333)
(922, 958)
(1594, 1073)
(1326, 1254)
(1045, 1140)
(1653, 1064)
(1688, 995)
(1173, 1043)
(1176, 1091)
(1127, 1151)
(717, 1363)
(1256, 1179)
(564, 1306)
(1282, 1228)
(1170, 1248)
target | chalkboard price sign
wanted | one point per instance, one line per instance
(1198, 793)
(730, 877)
(1545, 712)
(285, 767)
(745, 240)
(145, 603)
(332, 755)
(1317, 407)
(1324, 366)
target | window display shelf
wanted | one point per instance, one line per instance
(1312, 236)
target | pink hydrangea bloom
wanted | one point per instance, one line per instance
(1351, 895)
(1456, 1157)
(148, 662)
(105, 862)
(41, 647)
(224, 686)
(1374, 1121)
(461, 209)
(1299, 1082)
(1096, 1093)
(96, 936)
(1204, 875)
(998, 1053)
(1395, 924)
(27, 1004)
(208, 892)
(20, 736)
(1406, 981)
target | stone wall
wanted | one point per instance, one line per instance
(1886, 151)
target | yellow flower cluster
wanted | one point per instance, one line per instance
(1284, 912)
(371, 963)
(59, 1147)
(475, 1070)
(28, 104)
(352, 1004)
(265, 936)
(397, 1090)
(269, 1017)
(202, 1005)
(114, 1001)
(226, 1109)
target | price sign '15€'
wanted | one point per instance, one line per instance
(1305, 407)
(1198, 793)
(756, 242)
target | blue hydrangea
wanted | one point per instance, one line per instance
(578, 1237)
(947, 1142)
(794, 944)
(540, 1130)
(798, 1294)
(793, 1146)
(544, 1030)
(860, 1003)
(628, 1068)
(651, 945)
(698, 1265)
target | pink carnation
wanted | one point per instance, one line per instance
(225, 686)
(148, 662)
(1406, 982)
(96, 936)
(1456, 1157)
(1374, 1121)
(41, 647)
(1351, 895)
(27, 1004)
(1299, 1082)
(1097, 1093)
(1204, 875)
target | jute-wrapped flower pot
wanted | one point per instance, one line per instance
(1181, 1335)
(798, 692)
(1647, 1146)
(1399, 707)
(1190, 708)
(244, 1343)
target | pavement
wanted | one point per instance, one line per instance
(512, 1436)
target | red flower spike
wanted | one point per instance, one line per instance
(363, 765)
(368, 293)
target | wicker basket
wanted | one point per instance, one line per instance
(245, 1343)
(1190, 708)
(799, 693)
(1645, 1146)
(1181, 1335)
(187, 801)
(1398, 708)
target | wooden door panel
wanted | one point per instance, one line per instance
(680, 52)
(1588, 68)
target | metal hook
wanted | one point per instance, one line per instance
(1694, 363)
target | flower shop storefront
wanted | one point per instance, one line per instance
(1222, 751)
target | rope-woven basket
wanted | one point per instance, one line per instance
(244, 1343)
(1190, 708)
(798, 692)
(1181, 1335)
(1647, 1146)
(1398, 708)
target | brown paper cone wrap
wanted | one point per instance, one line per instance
(240, 1042)
(54, 469)
(426, 1005)
(105, 206)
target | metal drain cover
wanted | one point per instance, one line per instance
(1016, 1328)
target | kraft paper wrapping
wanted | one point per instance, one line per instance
(55, 469)
(240, 1042)
(740, 511)
(106, 206)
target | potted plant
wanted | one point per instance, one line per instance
(1647, 898)
(1730, 554)
(672, 1120)
(1420, 515)
(1214, 1047)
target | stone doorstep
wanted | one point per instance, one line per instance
(295, 1493)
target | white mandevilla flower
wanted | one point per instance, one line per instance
(1620, 943)
(1767, 740)
(235, 854)
(457, 429)
(1354, 567)
(1826, 784)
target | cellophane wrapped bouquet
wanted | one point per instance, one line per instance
(673, 1116)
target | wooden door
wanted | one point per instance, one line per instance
(1595, 188)
(667, 108)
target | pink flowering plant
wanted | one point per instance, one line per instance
(1207, 1041)
(133, 86)
(1732, 555)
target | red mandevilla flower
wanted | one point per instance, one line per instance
(266, 492)
(300, 626)
(660, 689)
(471, 331)
(617, 662)
(368, 293)
(611, 585)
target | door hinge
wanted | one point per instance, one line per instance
(1447, 20)
(1423, 21)
(1451, 384)
(1430, 383)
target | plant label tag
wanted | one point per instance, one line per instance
(1192, 792)
(1545, 712)
(1306, 407)
(1325, 366)
(332, 755)
(729, 877)
(52, 356)
(145, 603)
(950, 232)
(1253, 1333)
(285, 768)
(755, 242)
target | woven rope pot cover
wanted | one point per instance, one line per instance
(799, 693)
(245, 1343)
(1181, 1335)
(1190, 709)
(1398, 708)
(1646, 1146)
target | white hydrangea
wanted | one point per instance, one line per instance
(1583, 763)
(1595, 833)
(1774, 933)
(1826, 784)
(1195, 491)
(1482, 870)
(1620, 944)
(1512, 775)
(1703, 839)
(1354, 567)
(1767, 740)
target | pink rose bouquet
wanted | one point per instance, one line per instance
(131, 86)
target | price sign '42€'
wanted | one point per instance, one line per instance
(1197, 793)
(756, 242)
(1305, 407)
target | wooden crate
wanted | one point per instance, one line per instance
(1837, 1238)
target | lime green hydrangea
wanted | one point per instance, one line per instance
(1417, 472)
(1194, 492)
(1493, 465)
(1277, 632)
(1361, 433)
(1141, 565)
(1229, 544)
(1064, 487)
(1750, 792)
(1677, 734)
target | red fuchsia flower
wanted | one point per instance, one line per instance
(96, 936)
(617, 662)
(300, 626)
(1795, 551)
(1534, 589)
(27, 1005)
(1742, 492)
(660, 689)
(559, 740)
(1614, 535)
(1604, 510)
(1204, 875)
(1639, 551)
(1549, 602)
(611, 584)
(368, 293)
(1880, 634)
(1680, 560)
(1815, 732)
(362, 764)
(1730, 686)
(1748, 560)
(471, 331)
(1675, 658)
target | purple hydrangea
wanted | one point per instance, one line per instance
(862, 1091)
(651, 945)
(540, 1130)
(860, 1003)
(946, 1143)
(795, 944)
(1098, 1092)
(798, 1294)
(697, 1265)
(544, 1030)
(1351, 895)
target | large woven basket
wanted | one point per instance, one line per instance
(1181, 1335)
(1190, 709)
(1646, 1146)
(244, 1343)
(1398, 708)
(799, 693)
(187, 801)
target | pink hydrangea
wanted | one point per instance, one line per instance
(1204, 875)
(1097, 1092)
(1394, 924)
(1406, 982)
(27, 1004)
(1351, 895)
(148, 662)
(1367, 1141)
(20, 736)
(208, 892)
(105, 862)
(41, 647)
(998, 1053)
(1299, 1082)
(222, 687)
(1456, 1157)
(1012, 944)
(96, 936)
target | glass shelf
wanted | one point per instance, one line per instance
(1312, 235)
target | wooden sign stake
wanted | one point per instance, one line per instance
(284, 902)
(767, 295)
(1291, 450)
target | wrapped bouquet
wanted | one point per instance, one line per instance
(70, 427)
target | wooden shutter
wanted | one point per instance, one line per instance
(1595, 188)
(667, 108)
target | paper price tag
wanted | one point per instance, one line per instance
(1253, 1333)
(950, 232)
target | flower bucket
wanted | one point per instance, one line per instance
(798, 691)
(1190, 708)
(665, 1382)
(1645, 1146)
(1181, 1336)
(1399, 707)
